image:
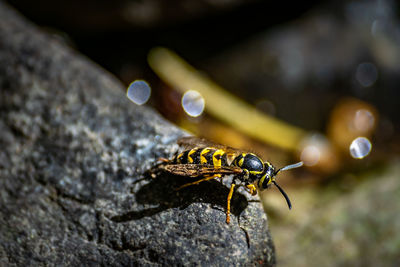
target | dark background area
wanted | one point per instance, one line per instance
(216, 35)
(196, 30)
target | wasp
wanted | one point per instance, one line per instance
(206, 160)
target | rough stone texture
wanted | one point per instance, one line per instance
(73, 153)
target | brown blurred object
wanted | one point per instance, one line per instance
(351, 118)
(319, 154)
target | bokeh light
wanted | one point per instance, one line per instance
(310, 155)
(316, 151)
(366, 74)
(139, 92)
(266, 106)
(193, 103)
(360, 148)
(350, 119)
(364, 120)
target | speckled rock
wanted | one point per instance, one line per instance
(73, 155)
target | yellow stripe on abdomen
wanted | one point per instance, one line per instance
(179, 158)
(190, 159)
(217, 156)
(203, 159)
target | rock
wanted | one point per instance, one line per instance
(73, 155)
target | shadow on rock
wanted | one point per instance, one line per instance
(161, 191)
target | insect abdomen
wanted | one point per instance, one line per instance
(208, 155)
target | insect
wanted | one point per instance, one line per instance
(207, 160)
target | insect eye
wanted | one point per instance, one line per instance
(265, 183)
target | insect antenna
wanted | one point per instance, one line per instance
(284, 194)
(288, 167)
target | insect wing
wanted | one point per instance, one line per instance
(196, 170)
(190, 142)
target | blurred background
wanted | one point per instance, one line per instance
(316, 81)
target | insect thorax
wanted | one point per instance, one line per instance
(252, 164)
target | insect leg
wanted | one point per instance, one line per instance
(220, 177)
(228, 207)
(207, 178)
(252, 188)
(163, 160)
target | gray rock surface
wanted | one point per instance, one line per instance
(73, 153)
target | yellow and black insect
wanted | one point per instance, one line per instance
(207, 160)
